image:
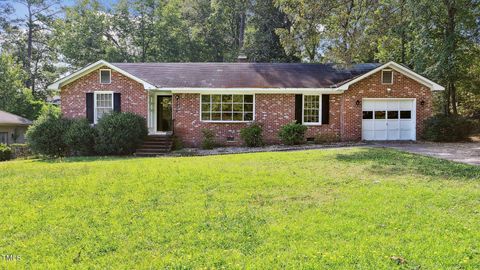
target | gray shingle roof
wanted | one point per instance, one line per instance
(13, 119)
(244, 75)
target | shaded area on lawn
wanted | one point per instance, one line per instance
(394, 162)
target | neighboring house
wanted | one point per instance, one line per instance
(364, 102)
(12, 128)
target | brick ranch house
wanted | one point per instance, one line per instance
(363, 102)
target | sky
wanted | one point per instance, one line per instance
(21, 10)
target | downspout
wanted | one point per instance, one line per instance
(342, 117)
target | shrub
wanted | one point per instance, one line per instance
(208, 140)
(292, 133)
(46, 135)
(326, 138)
(80, 137)
(20, 150)
(177, 143)
(441, 128)
(5, 152)
(252, 135)
(120, 133)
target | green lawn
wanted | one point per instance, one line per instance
(335, 209)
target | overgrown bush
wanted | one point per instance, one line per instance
(252, 135)
(46, 135)
(326, 138)
(441, 128)
(120, 133)
(20, 150)
(292, 133)
(208, 139)
(80, 137)
(5, 152)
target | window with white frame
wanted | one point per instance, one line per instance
(311, 109)
(387, 76)
(105, 76)
(227, 108)
(103, 104)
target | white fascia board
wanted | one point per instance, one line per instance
(405, 71)
(190, 90)
(82, 72)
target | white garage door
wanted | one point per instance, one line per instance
(388, 119)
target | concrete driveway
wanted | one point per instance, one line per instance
(460, 152)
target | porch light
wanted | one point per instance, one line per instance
(422, 102)
(358, 102)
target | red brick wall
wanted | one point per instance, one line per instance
(371, 87)
(271, 110)
(73, 95)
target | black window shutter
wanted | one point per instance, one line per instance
(298, 108)
(89, 106)
(117, 102)
(325, 108)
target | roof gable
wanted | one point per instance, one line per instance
(399, 68)
(86, 70)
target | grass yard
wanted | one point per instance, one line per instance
(362, 208)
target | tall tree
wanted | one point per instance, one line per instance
(262, 42)
(38, 17)
(82, 35)
(14, 96)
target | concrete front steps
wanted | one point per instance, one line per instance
(155, 145)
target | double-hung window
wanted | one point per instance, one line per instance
(103, 104)
(227, 108)
(312, 109)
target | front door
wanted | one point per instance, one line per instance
(164, 113)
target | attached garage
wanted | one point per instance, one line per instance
(388, 119)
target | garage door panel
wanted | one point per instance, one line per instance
(380, 124)
(405, 125)
(392, 105)
(368, 125)
(380, 135)
(393, 124)
(368, 135)
(405, 134)
(368, 105)
(393, 119)
(393, 134)
(406, 104)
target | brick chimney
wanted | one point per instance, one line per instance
(242, 57)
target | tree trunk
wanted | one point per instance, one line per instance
(241, 31)
(28, 63)
(453, 93)
(451, 47)
(402, 31)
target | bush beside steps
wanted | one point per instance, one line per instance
(115, 134)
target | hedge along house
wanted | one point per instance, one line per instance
(363, 102)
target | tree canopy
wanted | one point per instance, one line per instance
(438, 39)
